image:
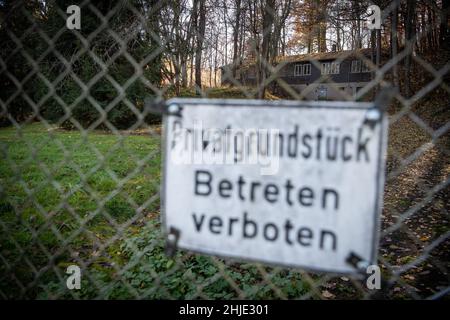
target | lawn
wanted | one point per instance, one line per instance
(92, 200)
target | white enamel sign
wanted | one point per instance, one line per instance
(282, 182)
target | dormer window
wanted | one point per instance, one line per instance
(302, 69)
(364, 67)
(359, 66)
(330, 68)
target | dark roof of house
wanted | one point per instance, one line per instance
(325, 55)
(318, 56)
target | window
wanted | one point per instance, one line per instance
(365, 68)
(330, 68)
(325, 68)
(307, 69)
(302, 69)
(359, 66)
(356, 66)
(335, 68)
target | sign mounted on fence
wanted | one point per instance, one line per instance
(283, 182)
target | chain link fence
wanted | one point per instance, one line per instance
(80, 164)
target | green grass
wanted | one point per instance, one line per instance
(222, 92)
(64, 195)
(55, 183)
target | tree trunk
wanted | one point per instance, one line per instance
(191, 77)
(410, 39)
(394, 44)
(242, 39)
(184, 73)
(356, 9)
(236, 36)
(372, 45)
(435, 31)
(444, 36)
(210, 70)
(309, 42)
(226, 30)
(216, 45)
(430, 32)
(378, 60)
(199, 46)
(338, 36)
(194, 37)
(267, 24)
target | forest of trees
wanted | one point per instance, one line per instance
(184, 43)
(235, 31)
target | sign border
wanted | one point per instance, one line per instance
(236, 103)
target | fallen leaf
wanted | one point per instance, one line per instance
(327, 294)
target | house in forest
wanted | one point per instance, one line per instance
(318, 76)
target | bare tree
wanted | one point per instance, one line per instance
(237, 21)
(394, 42)
(444, 39)
(199, 45)
(410, 21)
(280, 15)
(267, 8)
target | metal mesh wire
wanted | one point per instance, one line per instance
(89, 196)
